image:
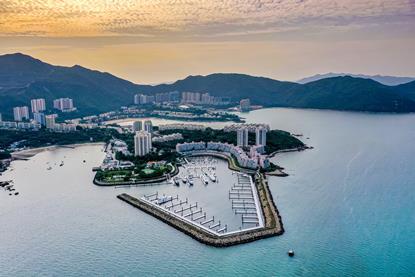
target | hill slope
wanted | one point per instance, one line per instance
(23, 78)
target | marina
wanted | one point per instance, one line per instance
(242, 221)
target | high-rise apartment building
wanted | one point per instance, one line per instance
(63, 104)
(261, 136)
(137, 126)
(39, 118)
(38, 105)
(148, 126)
(20, 113)
(142, 143)
(242, 137)
(245, 105)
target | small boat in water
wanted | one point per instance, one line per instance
(190, 180)
(204, 178)
(49, 168)
(61, 164)
(176, 181)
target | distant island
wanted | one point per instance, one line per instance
(23, 78)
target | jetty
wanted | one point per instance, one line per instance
(257, 207)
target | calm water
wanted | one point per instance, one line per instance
(347, 207)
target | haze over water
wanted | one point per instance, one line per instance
(347, 209)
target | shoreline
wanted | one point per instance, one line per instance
(30, 152)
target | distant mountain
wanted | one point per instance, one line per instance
(337, 93)
(236, 86)
(386, 80)
(23, 78)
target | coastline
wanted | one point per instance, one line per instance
(30, 152)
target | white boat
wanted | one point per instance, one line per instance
(49, 168)
(190, 180)
(176, 181)
(164, 199)
(204, 178)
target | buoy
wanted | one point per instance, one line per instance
(291, 253)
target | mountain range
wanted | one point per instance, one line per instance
(385, 80)
(23, 78)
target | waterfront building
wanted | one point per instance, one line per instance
(50, 121)
(39, 118)
(142, 143)
(137, 126)
(148, 126)
(244, 105)
(64, 104)
(261, 136)
(190, 146)
(20, 113)
(38, 105)
(242, 137)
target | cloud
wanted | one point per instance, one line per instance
(194, 18)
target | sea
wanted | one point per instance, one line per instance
(348, 209)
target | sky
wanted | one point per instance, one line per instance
(155, 41)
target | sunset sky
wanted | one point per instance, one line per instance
(152, 41)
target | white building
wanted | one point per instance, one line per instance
(261, 136)
(63, 127)
(245, 105)
(20, 113)
(143, 99)
(8, 124)
(137, 126)
(181, 126)
(28, 125)
(39, 118)
(190, 146)
(148, 126)
(50, 121)
(64, 104)
(175, 136)
(38, 105)
(142, 143)
(242, 137)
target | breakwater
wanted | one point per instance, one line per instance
(272, 221)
